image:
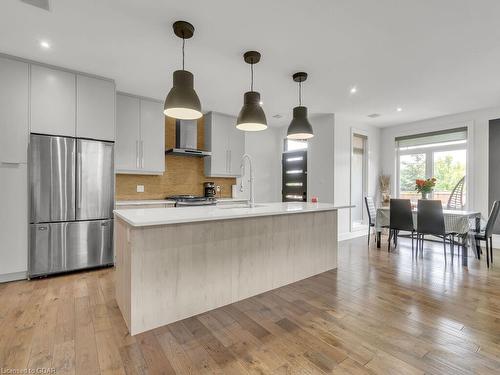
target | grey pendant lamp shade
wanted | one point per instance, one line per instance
(252, 116)
(300, 127)
(182, 102)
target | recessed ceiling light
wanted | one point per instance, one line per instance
(399, 109)
(45, 44)
(261, 102)
(354, 90)
(374, 115)
(277, 116)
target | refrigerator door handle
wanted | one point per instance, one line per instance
(79, 179)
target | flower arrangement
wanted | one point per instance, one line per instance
(425, 187)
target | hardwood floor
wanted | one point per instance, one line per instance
(379, 313)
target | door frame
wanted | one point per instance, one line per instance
(364, 133)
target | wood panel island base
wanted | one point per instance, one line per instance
(173, 263)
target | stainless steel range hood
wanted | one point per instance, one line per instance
(186, 140)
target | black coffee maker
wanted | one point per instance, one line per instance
(209, 188)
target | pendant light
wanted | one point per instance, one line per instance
(251, 117)
(182, 102)
(300, 127)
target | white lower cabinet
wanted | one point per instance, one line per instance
(13, 221)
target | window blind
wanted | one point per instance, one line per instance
(432, 138)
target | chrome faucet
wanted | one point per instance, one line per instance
(251, 203)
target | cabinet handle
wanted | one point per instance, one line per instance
(142, 154)
(137, 154)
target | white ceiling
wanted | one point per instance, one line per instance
(429, 57)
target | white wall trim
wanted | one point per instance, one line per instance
(366, 155)
(14, 276)
(350, 235)
(496, 241)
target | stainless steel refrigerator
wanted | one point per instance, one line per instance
(71, 204)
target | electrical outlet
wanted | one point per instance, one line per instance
(218, 188)
(140, 188)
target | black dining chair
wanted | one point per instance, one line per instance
(430, 221)
(486, 235)
(372, 214)
(401, 219)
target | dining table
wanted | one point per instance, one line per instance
(455, 221)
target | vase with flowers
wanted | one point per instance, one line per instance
(425, 187)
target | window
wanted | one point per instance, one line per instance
(442, 155)
(295, 145)
(294, 161)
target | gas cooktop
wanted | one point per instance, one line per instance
(192, 200)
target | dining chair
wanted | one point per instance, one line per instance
(456, 199)
(400, 218)
(372, 214)
(486, 235)
(430, 221)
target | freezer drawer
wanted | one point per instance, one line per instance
(59, 247)
(52, 178)
(94, 180)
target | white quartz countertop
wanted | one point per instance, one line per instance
(143, 202)
(231, 200)
(142, 217)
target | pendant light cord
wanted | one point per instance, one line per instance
(251, 81)
(300, 93)
(183, 44)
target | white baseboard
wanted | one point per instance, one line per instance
(6, 277)
(496, 241)
(351, 235)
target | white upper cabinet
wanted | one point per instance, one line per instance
(95, 109)
(236, 149)
(152, 136)
(127, 133)
(14, 111)
(140, 135)
(53, 101)
(226, 143)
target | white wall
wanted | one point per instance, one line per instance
(329, 163)
(478, 122)
(342, 167)
(321, 159)
(265, 149)
(329, 159)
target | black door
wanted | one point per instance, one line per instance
(294, 187)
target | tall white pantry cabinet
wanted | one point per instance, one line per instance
(40, 99)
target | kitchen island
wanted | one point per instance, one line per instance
(173, 263)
